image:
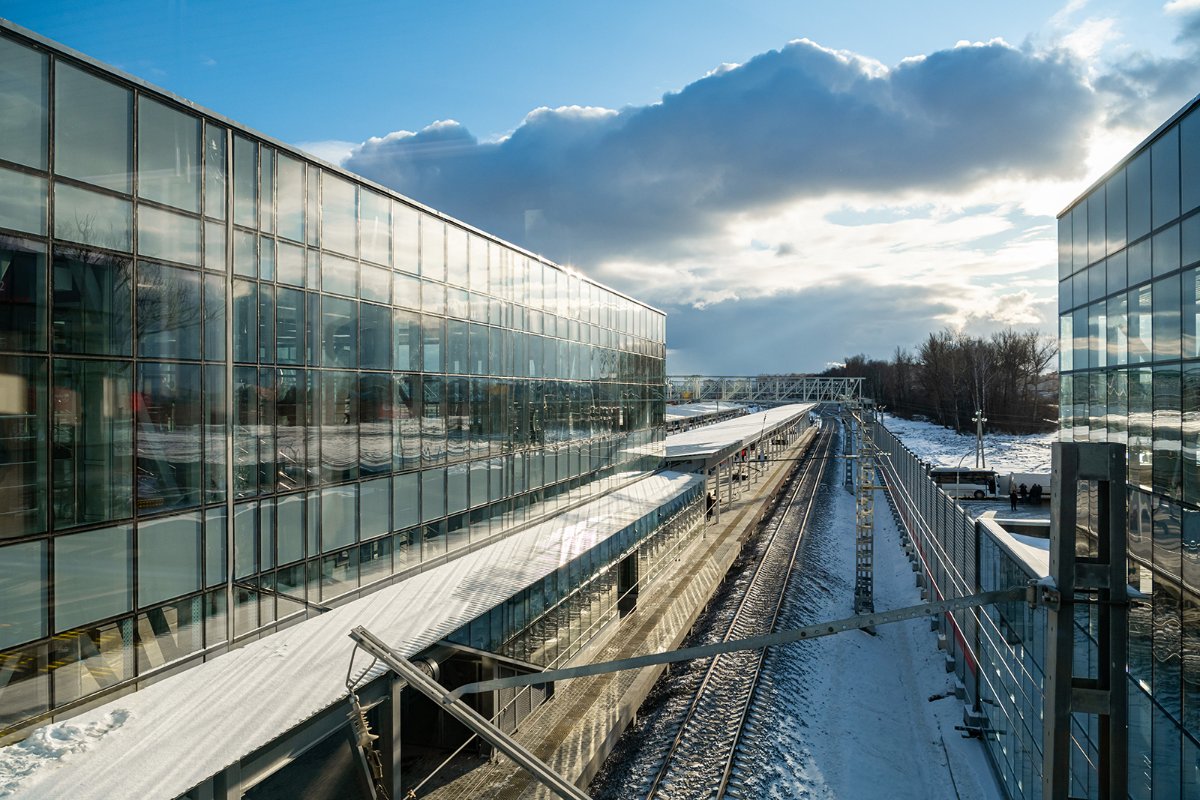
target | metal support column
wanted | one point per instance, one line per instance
(1099, 580)
(864, 519)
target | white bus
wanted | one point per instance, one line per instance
(964, 482)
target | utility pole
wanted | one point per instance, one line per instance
(980, 458)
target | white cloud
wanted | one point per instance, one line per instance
(332, 150)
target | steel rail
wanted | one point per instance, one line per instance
(756, 581)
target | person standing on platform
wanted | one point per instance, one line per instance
(1012, 498)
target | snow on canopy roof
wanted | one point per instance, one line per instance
(168, 737)
(694, 410)
(732, 433)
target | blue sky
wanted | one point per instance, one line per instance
(852, 177)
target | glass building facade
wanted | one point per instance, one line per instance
(1129, 303)
(237, 384)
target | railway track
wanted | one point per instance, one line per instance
(701, 759)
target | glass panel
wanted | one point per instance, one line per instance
(266, 189)
(245, 182)
(92, 298)
(168, 155)
(22, 295)
(22, 201)
(339, 275)
(169, 633)
(456, 255)
(245, 321)
(375, 228)
(245, 254)
(375, 422)
(289, 334)
(1137, 176)
(1167, 406)
(214, 171)
(1189, 160)
(1166, 318)
(168, 558)
(375, 507)
(431, 336)
(1166, 250)
(215, 547)
(375, 337)
(404, 237)
(93, 441)
(339, 573)
(1118, 343)
(290, 264)
(92, 576)
(214, 318)
(290, 197)
(338, 215)
(1191, 448)
(22, 595)
(23, 430)
(406, 427)
(1140, 325)
(26, 690)
(24, 82)
(433, 248)
(92, 218)
(214, 246)
(339, 426)
(1064, 246)
(169, 452)
(433, 494)
(375, 284)
(92, 128)
(214, 432)
(88, 660)
(339, 517)
(1164, 160)
(406, 291)
(266, 258)
(405, 507)
(168, 312)
(339, 329)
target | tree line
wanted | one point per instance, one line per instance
(951, 375)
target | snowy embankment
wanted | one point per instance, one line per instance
(855, 715)
(1005, 452)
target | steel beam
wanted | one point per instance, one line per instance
(466, 715)
(858, 622)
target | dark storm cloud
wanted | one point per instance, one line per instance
(583, 185)
(799, 331)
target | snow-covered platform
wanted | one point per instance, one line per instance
(697, 411)
(169, 737)
(712, 444)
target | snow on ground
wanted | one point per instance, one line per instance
(854, 715)
(1005, 452)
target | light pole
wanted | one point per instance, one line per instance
(979, 419)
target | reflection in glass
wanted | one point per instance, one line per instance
(91, 218)
(375, 336)
(168, 558)
(339, 329)
(93, 441)
(24, 81)
(290, 264)
(22, 294)
(375, 422)
(375, 228)
(339, 426)
(245, 182)
(214, 246)
(92, 576)
(214, 171)
(26, 691)
(168, 155)
(405, 241)
(245, 321)
(266, 190)
(91, 303)
(292, 409)
(339, 275)
(90, 659)
(22, 201)
(168, 312)
(92, 128)
(169, 418)
(339, 218)
(23, 430)
(290, 197)
(433, 248)
(214, 432)
(22, 595)
(245, 254)
(169, 633)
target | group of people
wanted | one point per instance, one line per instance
(1025, 494)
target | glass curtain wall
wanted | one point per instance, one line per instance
(1129, 254)
(234, 382)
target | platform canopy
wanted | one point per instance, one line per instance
(168, 737)
(711, 444)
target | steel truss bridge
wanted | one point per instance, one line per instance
(763, 389)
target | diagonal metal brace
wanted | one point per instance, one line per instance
(753, 643)
(466, 715)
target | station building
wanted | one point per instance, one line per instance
(240, 387)
(1129, 306)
